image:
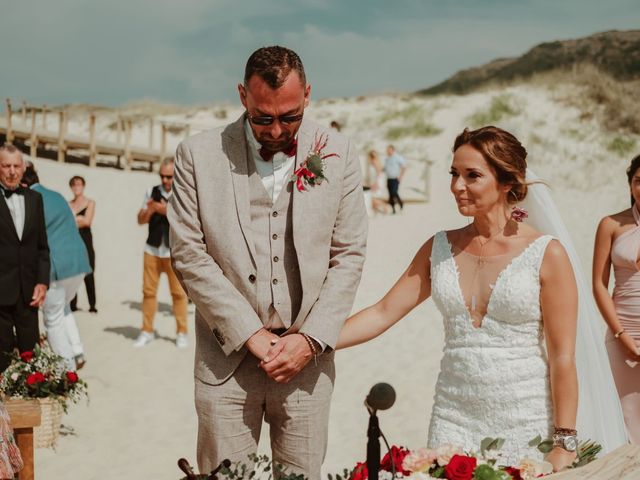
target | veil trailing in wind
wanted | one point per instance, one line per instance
(599, 413)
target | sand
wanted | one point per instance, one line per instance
(141, 419)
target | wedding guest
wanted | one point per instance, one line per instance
(84, 209)
(394, 168)
(10, 458)
(375, 175)
(24, 258)
(617, 245)
(69, 265)
(157, 260)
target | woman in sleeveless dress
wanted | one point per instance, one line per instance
(618, 244)
(84, 209)
(509, 301)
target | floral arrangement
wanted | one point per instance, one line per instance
(452, 463)
(311, 171)
(41, 374)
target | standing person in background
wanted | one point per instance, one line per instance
(157, 259)
(394, 167)
(69, 265)
(24, 258)
(376, 182)
(617, 244)
(84, 209)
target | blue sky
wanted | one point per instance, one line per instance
(194, 51)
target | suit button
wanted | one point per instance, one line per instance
(252, 278)
(274, 281)
(276, 259)
(274, 236)
(275, 214)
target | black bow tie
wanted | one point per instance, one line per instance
(8, 193)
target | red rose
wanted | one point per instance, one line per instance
(34, 378)
(397, 454)
(514, 472)
(360, 472)
(460, 467)
(72, 377)
(26, 356)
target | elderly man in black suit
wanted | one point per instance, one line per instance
(24, 257)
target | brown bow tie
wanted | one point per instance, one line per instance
(289, 151)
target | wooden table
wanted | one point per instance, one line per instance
(621, 464)
(25, 414)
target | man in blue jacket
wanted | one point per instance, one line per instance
(69, 265)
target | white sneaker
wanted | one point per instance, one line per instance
(143, 339)
(182, 341)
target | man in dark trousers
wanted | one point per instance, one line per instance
(24, 257)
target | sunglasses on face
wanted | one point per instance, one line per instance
(264, 120)
(166, 177)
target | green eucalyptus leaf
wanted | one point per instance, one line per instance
(534, 442)
(546, 446)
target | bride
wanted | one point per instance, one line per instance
(509, 300)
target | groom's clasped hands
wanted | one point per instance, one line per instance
(282, 358)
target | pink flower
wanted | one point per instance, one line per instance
(420, 460)
(445, 452)
(519, 214)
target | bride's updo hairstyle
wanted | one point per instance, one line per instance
(505, 155)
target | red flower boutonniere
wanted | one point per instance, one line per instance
(311, 171)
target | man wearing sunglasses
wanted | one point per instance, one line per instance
(272, 270)
(157, 260)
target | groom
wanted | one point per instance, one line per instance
(267, 258)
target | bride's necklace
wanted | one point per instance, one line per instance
(481, 262)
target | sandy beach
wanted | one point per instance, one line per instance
(140, 418)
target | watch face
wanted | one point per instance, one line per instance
(570, 443)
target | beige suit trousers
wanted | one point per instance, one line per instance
(230, 416)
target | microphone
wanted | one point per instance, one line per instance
(382, 396)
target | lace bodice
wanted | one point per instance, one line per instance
(494, 379)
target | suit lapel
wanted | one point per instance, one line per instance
(300, 222)
(5, 216)
(235, 144)
(29, 212)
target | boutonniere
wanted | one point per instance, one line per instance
(311, 171)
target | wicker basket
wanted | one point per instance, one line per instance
(46, 434)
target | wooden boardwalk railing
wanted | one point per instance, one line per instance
(29, 134)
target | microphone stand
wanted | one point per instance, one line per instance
(373, 445)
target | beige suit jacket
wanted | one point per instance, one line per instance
(213, 252)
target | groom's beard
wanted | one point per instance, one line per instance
(273, 145)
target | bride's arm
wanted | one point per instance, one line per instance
(601, 273)
(411, 289)
(559, 303)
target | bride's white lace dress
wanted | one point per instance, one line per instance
(494, 379)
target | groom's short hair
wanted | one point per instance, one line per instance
(273, 65)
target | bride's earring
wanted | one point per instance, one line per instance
(517, 214)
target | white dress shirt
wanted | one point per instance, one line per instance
(16, 209)
(275, 175)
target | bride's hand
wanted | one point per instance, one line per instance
(630, 344)
(560, 458)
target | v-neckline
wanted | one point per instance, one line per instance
(495, 285)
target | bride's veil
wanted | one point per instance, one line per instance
(599, 412)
